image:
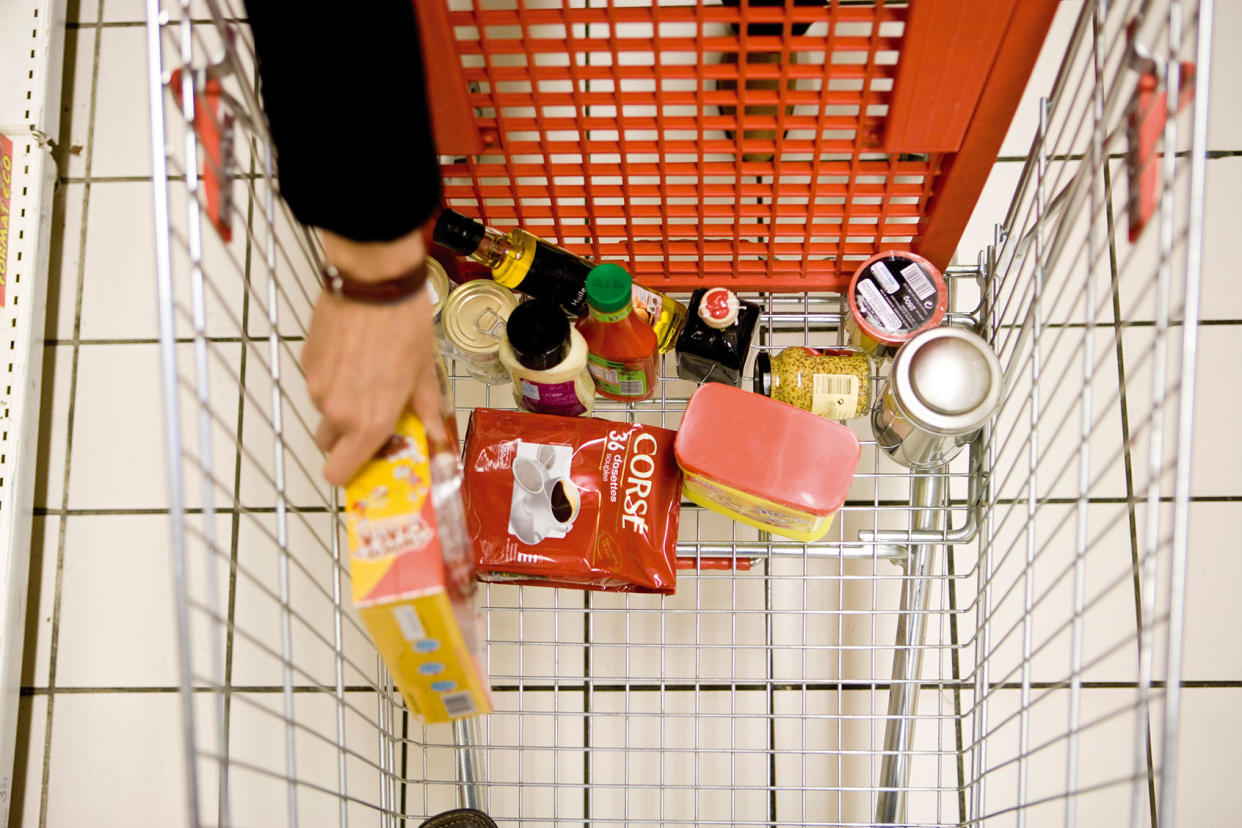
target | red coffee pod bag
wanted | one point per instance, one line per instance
(572, 502)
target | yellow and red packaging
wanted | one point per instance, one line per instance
(763, 462)
(414, 593)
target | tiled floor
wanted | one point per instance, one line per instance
(735, 699)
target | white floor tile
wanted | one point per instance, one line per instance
(1215, 462)
(114, 751)
(1109, 626)
(1210, 727)
(533, 631)
(304, 485)
(711, 630)
(1225, 115)
(1104, 748)
(119, 294)
(118, 429)
(680, 757)
(990, 210)
(118, 286)
(1221, 298)
(1213, 617)
(1026, 117)
(117, 619)
(533, 759)
(257, 654)
(122, 131)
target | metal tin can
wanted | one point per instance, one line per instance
(438, 287)
(944, 386)
(893, 296)
(474, 318)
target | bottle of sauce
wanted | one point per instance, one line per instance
(547, 359)
(622, 346)
(522, 261)
(716, 341)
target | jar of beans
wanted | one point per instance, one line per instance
(834, 383)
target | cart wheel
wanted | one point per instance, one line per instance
(460, 818)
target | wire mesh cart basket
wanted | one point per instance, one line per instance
(997, 642)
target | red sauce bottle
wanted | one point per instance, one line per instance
(623, 359)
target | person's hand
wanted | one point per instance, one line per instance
(366, 364)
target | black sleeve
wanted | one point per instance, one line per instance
(342, 85)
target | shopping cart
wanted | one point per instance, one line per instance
(950, 654)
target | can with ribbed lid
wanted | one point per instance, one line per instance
(474, 319)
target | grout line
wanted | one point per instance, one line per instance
(1123, 403)
(586, 707)
(71, 414)
(651, 687)
(236, 517)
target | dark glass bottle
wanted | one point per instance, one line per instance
(716, 341)
(518, 260)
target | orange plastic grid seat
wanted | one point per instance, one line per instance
(634, 132)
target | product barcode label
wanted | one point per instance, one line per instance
(886, 280)
(407, 620)
(878, 305)
(632, 388)
(918, 280)
(459, 704)
(608, 375)
(834, 396)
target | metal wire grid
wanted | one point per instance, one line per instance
(1073, 718)
(750, 697)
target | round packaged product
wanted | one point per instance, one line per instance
(474, 318)
(437, 287)
(547, 358)
(833, 383)
(944, 386)
(764, 463)
(893, 296)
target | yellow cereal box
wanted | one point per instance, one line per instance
(416, 594)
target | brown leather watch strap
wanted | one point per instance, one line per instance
(387, 292)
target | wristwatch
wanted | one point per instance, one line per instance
(387, 292)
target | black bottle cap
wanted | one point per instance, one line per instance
(458, 233)
(763, 374)
(538, 333)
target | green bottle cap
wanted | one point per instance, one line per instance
(609, 287)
